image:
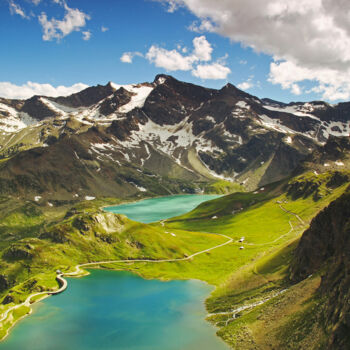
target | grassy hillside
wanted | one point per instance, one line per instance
(39, 239)
(271, 223)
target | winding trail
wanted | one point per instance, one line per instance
(233, 312)
(64, 284)
(78, 271)
(290, 212)
(285, 234)
(277, 239)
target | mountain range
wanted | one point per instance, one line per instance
(162, 137)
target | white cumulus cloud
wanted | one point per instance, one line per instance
(202, 48)
(128, 57)
(332, 83)
(29, 89)
(198, 60)
(312, 36)
(73, 20)
(211, 71)
(173, 5)
(171, 60)
(245, 85)
(248, 84)
(86, 35)
(181, 59)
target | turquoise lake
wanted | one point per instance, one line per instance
(121, 311)
(117, 310)
(154, 209)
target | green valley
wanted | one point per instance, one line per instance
(265, 226)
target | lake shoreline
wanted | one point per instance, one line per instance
(166, 216)
(131, 273)
(132, 201)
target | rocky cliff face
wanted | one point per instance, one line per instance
(325, 248)
(87, 97)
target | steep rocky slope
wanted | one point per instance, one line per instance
(88, 165)
(334, 154)
(325, 247)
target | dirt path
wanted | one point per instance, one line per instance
(234, 312)
(78, 271)
(27, 302)
(290, 212)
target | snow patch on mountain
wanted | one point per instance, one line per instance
(288, 140)
(232, 137)
(243, 105)
(143, 160)
(58, 108)
(140, 188)
(141, 92)
(167, 137)
(275, 124)
(210, 118)
(298, 110)
(171, 140)
(161, 80)
(51, 106)
(335, 129)
(219, 176)
(13, 121)
(11, 124)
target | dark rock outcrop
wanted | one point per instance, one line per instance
(37, 109)
(170, 101)
(8, 299)
(122, 128)
(87, 97)
(337, 180)
(18, 252)
(4, 283)
(56, 235)
(325, 247)
(119, 98)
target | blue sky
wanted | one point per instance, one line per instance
(113, 28)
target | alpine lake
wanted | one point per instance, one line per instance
(117, 310)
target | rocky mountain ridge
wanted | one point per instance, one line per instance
(166, 128)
